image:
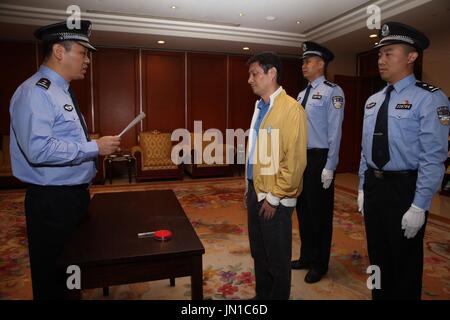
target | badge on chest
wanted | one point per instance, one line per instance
(371, 105)
(68, 107)
(404, 106)
(317, 96)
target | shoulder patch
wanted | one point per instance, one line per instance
(427, 86)
(44, 83)
(330, 84)
(443, 115)
(337, 101)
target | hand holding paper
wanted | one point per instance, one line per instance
(133, 123)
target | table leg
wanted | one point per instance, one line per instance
(129, 170)
(110, 169)
(197, 278)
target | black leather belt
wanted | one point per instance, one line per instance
(390, 174)
(317, 150)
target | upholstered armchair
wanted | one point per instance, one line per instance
(153, 157)
(204, 169)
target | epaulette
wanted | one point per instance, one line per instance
(44, 83)
(426, 86)
(330, 84)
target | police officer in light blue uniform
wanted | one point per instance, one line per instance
(404, 146)
(52, 153)
(324, 105)
(53, 148)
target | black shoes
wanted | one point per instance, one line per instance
(299, 265)
(313, 276)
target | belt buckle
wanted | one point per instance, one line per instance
(378, 174)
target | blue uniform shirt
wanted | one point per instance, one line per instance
(48, 144)
(262, 108)
(325, 113)
(418, 128)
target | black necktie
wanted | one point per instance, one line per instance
(80, 116)
(305, 98)
(380, 144)
(83, 123)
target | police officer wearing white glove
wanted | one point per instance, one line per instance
(404, 146)
(324, 105)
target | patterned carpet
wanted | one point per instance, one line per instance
(216, 211)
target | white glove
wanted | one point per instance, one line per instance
(361, 202)
(412, 221)
(327, 178)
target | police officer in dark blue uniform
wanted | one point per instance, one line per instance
(52, 152)
(324, 105)
(404, 147)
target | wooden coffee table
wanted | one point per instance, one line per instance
(108, 251)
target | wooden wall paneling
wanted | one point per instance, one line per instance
(292, 77)
(163, 90)
(207, 90)
(19, 63)
(241, 96)
(350, 149)
(116, 92)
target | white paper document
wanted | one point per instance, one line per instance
(133, 123)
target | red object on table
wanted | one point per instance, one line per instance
(162, 235)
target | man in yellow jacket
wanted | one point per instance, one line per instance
(274, 172)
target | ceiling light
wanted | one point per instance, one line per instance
(270, 18)
(246, 48)
(298, 22)
(241, 14)
(173, 7)
(161, 42)
(373, 35)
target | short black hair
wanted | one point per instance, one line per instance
(47, 47)
(267, 60)
(408, 49)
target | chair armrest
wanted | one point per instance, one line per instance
(1, 157)
(135, 149)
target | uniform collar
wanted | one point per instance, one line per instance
(405, 82)
(54, 77)
(317, 81)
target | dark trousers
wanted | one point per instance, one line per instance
(386, 199)
(270, 246)
(52, 213)
(315, 213)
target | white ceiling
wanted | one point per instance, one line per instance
(216, 25)
(286, 12)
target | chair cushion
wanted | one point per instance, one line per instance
(156, 149)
